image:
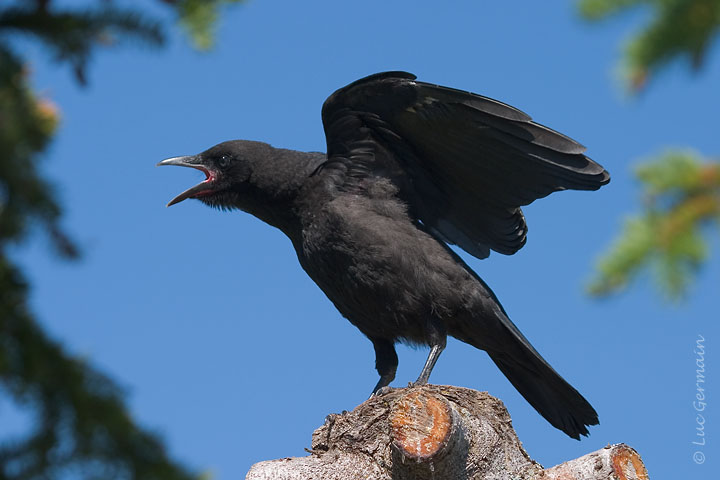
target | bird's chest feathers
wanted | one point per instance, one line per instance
(352, 229)
(351, 238)
(370, 259)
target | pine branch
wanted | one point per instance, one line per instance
(678, 28)
(72, 35)
(81, 422)
(681, 203)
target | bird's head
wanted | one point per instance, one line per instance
(227, 166)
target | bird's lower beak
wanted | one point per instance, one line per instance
(202, 188)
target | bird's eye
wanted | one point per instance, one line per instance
(223, 161)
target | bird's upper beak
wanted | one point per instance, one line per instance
(203, 188)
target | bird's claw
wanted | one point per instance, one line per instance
(382, 391)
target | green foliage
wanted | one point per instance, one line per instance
(681, 196)
(678, 28)
(199, 18)
(681, 192)
(80, 424)
(26, 126)
(71, 35)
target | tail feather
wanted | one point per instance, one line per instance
(554, 398)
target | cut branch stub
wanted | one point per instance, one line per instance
(422, 426)
(627, 464)
(618, 462)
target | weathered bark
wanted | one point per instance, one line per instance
(435, 432)
(616, 462)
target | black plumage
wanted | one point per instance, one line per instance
(410, 168)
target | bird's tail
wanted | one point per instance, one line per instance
(554, 398)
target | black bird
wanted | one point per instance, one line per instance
(410, 168)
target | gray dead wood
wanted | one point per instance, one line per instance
(435, 432)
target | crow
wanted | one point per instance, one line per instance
(410, 169)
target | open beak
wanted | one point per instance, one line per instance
(203, 188)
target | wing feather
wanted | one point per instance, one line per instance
(464, 163)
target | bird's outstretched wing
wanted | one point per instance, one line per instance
(464, 163)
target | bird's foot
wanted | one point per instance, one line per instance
(382, 391)
(417, 383)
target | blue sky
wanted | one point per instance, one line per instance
(222, 343)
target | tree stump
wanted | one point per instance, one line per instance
(435, 432)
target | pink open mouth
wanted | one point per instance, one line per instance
(204, 188)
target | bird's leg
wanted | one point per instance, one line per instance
(386, 362)
(439, 340)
